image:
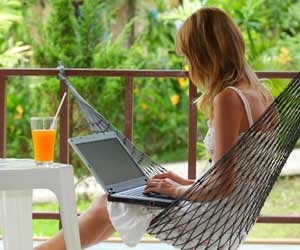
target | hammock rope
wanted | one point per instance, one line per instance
(204, 218)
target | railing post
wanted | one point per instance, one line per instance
(192, 132)
(2, 116)
(64, 130)
(128, 112)
(64, 126)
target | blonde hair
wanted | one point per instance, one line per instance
(215, 50)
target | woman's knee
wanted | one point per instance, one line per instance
(100, 202)
(100, 206)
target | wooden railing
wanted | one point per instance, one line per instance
(128, 76)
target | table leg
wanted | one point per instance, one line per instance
(16, 219)
(67, 205)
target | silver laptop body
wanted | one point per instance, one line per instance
(115, 169)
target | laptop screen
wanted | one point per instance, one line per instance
(110, 160)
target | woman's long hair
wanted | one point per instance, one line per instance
(215, 50)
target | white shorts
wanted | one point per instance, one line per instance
(132, 221)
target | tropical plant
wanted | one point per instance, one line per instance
(85, 35)
(13, 51)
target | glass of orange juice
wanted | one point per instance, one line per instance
(43, 130)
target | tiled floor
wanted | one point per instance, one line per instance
(162, 246)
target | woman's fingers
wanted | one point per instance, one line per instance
(151, 190)
(164, 186)
(153, 184)
(161, 176)
(171, 175)
(156, 183)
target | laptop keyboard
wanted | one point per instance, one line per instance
(139, 191)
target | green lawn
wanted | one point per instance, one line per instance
(46, 228)
(283, 200)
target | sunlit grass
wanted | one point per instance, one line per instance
(283, 200)
(47, 228)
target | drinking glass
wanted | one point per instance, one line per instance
(43, 130)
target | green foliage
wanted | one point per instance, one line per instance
(160, 116)
(58, 41)
(13, 51)
(9, 14)
(88, 40)
(18, 116)
(89, 32)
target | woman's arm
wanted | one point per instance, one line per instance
(227, 116)
(228, 112)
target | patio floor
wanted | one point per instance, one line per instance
(162, 246)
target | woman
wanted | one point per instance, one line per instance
(233, 98)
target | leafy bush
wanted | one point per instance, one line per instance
(88, 40)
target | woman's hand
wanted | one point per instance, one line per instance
(168, 184)
(174, 177)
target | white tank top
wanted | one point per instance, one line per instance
(209, 140)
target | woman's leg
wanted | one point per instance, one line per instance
(94, 226)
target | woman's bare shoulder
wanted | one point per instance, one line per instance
(227, 97)
(227, 101)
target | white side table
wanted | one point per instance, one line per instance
(17, 179)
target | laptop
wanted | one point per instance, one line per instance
(117, 172)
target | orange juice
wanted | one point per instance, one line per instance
(43, 143)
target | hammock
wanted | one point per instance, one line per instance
(204, 218)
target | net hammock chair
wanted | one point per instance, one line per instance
(202, 219)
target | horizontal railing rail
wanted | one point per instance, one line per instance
(128, 76)
(262, 219)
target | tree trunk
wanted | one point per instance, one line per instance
(125, 13)
(130, 14)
